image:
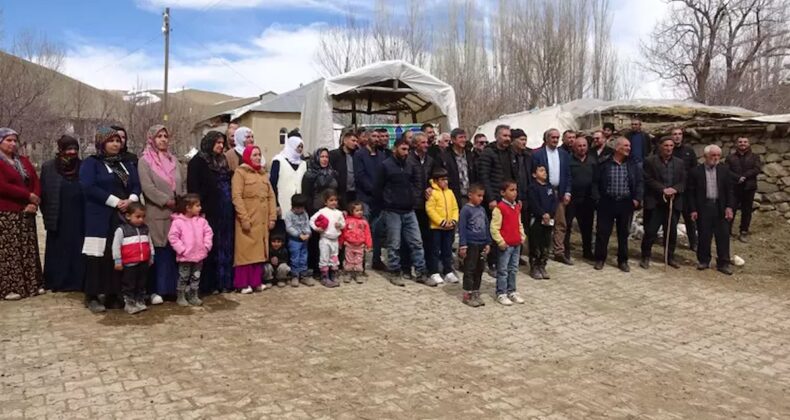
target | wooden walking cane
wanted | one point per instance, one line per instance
(666, 231)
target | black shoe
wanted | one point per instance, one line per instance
(379, 266)
(396, 280)
(725, 269)
(543, 272)
(693, 247)
(624, 267)
(744, 237)
(563, 259)
(644, 263)
(535, 273)
(703, 266)
(588, 256)
(673, 264)
(598, 265)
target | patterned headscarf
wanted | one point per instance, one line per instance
(13, 160)
(162, 163)
(216, 162)
(103, 135)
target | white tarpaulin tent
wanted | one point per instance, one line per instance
(393, 88)
(568, 116)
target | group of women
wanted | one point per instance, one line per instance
(81, 201)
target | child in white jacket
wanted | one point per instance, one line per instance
(329, 223)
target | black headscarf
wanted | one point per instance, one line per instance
(216, 161)
(67, 166)
(103, 135)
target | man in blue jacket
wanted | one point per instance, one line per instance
(557, 162)
(367, 164)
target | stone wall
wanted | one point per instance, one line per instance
(773, 184)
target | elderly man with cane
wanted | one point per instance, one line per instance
(665, 182)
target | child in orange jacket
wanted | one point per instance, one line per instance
(355, 240)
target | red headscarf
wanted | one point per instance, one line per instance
(247, 157)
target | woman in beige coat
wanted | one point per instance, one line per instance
(256, 212)
(162, 183)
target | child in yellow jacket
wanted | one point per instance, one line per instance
(442, 209)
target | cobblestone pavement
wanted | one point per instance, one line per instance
(586, 344)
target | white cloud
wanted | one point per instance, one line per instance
(333, 6)
(279, 59)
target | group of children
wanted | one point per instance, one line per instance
(191, 238)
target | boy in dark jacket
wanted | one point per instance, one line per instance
(542, 205)
(474, 243)
(277, 266)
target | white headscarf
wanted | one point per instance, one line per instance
(238, 137)
(290, 152)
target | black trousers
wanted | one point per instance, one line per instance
(583, 211)
(712, 224)
(540, 237)
(493, 253)
(743, 202)
(133, 280)
(658, 218)
(474, 264)
(691, 226)
(613, 213)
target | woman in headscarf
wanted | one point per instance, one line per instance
(256, 213)
(288, 169)
(126, 155)
(108, 184)
(208, 175)
(242, 138)
(20, 267)
(319, 178)
(62, 205)
(160, 179)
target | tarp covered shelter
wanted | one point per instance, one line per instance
(586, 114)
(395, 88)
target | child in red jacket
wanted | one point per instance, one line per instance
(355, 240)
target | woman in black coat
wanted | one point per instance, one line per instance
(319, 178)
(62, 205)
(209, 176)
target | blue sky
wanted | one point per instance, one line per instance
(239, 47)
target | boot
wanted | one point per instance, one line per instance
(543, 272)
(129, 305)
(534, 272)
(181, 299)
(193, 299)
(477, 298)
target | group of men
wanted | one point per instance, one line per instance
(601, 180)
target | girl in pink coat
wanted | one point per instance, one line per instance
(355, 240)
(191, 238)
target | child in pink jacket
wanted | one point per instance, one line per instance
(191, 238)
(355, 240)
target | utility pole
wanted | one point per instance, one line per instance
(166, 31)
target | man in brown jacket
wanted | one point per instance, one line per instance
(744, 166)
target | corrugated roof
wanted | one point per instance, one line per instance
(291, 101)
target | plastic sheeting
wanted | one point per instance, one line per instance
(566, 116)
(317, 115)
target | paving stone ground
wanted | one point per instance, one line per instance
(587, 344)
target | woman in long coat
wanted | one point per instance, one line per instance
(160, 179)
(20, 266)
(62, 205)
(109, 184)
(256, 213)
(319, 178)
(208, 176)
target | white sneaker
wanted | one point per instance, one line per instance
(515, 297)
(246, 291)
(451, 278)
(260, 288)
(42, 291)
(156, 299)
(13, 296)
(437, 278)
(504, 300)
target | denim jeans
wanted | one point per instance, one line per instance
(506, 270)
(442, 250)
(298, 251)
(403, 224)
(377, 229)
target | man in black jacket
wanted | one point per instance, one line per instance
(421, 165)
(711, 200)
(395, 191)
(583, 194)
(524, 172)
(342, 161)
(620, 188)
(686, 153)
(665, 182)
(460, 165)
(744, 166)
(598, 149)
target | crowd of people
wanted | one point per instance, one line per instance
(130, 232)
